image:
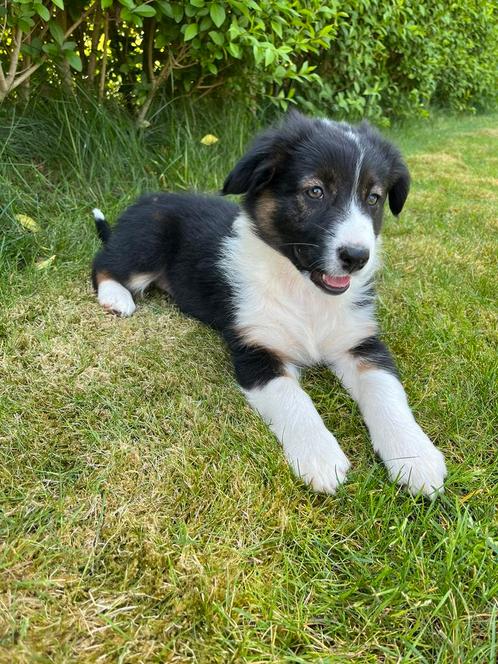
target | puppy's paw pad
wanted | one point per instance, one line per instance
(321, 465)
(116, 298)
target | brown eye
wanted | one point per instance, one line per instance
(372, 199)
(315, 192)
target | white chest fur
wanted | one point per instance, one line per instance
(280, 309)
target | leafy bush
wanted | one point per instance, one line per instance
(354, 58)
(400, 57)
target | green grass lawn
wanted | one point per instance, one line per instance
(146, 514)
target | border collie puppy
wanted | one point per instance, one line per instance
(287, 279)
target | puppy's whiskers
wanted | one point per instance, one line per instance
(300, 244)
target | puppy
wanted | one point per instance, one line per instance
(287, 280)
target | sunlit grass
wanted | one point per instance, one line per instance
(146, 513)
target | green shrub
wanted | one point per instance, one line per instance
(401, 57)
(351, 58)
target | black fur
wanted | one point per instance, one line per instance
(253, 366)
(103, 229)
(376, 353)
(177, 237)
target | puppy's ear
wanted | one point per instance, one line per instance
(267, 155)
(398, 175)
(400, 187)
(256, 168)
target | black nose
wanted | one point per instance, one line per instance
(353, 258)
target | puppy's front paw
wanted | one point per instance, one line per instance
(320, 463)
(420, 466)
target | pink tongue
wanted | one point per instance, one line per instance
(336, 282)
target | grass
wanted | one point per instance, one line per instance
(146, 513)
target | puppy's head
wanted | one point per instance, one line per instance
(315, 191)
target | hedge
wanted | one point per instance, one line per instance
(353, 58)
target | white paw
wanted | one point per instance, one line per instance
(420, 467)
(320, 463)
(116, 298)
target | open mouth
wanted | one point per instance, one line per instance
(330, 284)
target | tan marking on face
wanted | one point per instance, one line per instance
(313, 181)
(265, 210)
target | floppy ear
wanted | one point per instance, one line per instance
(398, 174)
(267, 154)
(399, 189)
(255, 169)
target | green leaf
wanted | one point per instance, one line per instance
(217, 37)
(42, 11)
(277, 28)
(105, 4)
(234, 49)
(241, 7)
(56, 31)
(191, 31)
(205, 24)
(127, 16)
(217, 13)
(50, 49)
(197, 3)
(74, 60)
(58, 3)
(165, 7)
(160, 40)
(144, 10)
(269, 56)
(177, 11)
(25, 23)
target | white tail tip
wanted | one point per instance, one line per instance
(98, 215)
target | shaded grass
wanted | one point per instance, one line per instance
(147, 514)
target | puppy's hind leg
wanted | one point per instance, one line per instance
(130, 260)
(112, 295)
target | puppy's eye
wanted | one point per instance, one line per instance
(372, 199)
(315, 192)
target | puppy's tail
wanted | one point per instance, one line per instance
(102, 226)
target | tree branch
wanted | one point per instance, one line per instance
(79, 21)
(92, 60)
(14, 58)
(3, 82)
(22, 77)
(104, 58)
(158, 81)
